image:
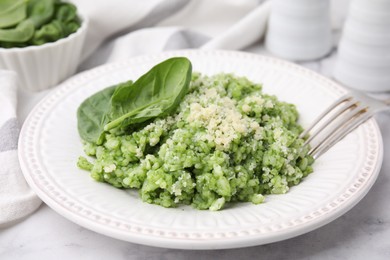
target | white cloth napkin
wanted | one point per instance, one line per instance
(16, 199)
(171, 25)
(120, 29)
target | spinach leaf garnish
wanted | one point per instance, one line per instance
(91, 115)
(156, 93)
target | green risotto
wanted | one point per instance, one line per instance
(225, 142)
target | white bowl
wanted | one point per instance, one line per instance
(44, 66)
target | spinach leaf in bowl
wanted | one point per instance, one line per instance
(12, 12)
(22, 33)
(40, 12)
(36, 22)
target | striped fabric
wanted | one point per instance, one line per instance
(17, 200)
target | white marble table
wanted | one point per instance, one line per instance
(362, 233)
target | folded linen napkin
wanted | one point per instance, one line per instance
(172, 25)
(17, 200)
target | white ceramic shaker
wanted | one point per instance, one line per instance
(363, 61)
(299, 30)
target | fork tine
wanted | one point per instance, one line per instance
(341, 133)
(341, 121)
(341, 109)
(325, 113)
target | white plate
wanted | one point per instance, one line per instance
(49, 146)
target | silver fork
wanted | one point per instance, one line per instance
(339, 119)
